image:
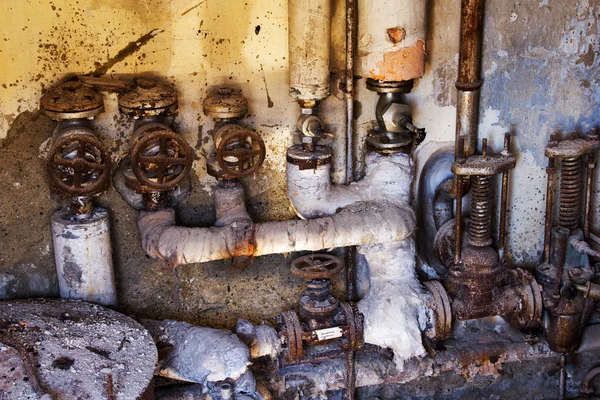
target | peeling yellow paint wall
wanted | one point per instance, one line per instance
(540, 71)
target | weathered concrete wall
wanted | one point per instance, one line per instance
(541, 73)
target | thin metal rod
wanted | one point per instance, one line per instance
(349, 94)
(591, 164)
(562, 378)
(350, 34)
(458, 222)
(350, 376)
(350, 273)
(551, 172)
(503, 201)
(503, 205)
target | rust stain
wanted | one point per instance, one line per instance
(193, 8)
(125, 52)
(395, 35)
(269, 101)
(401, 65)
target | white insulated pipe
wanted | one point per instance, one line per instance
(391, 39)
(387, 179)
(309, 42)
(371, 224)
(83, 256)
(394, 306)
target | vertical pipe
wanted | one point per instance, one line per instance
(503, 200)
(469, 72)
(350, 8)
(350, 34)
(391, 39)
(83, 256)
(309, 42)
(551, 172)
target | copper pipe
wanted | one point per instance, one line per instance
(469, 72)
(590, 165)
(551, 171)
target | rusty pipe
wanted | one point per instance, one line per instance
(469, 73)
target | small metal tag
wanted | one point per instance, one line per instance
(329, 333)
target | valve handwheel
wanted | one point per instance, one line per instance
(161, 159)
(317, 266)
(240, 152)
(79, 165)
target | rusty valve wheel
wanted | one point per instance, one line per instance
(240, 152)
(161, 159)
(317, 266)
(79, 165)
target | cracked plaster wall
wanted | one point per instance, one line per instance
(541, 71)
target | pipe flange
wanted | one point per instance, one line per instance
(355, 322)
(225, 103)
(72, 100)
(305, 159)
(148, 98)
(388, 143)
(290, 334)
(441, 312)
(383, 87)
(79, 164)
(529, 315)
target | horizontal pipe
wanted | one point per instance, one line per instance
(163, 240)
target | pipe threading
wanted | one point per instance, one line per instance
(571, 184)
(481, 211)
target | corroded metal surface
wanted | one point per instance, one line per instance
(304, 159)
(317, 266)
(149, 98)
(160, 158)
(78, 164)
(390, 86)
(440, 306)
(225, 103)
(574, 147)
(240, 152)
(72, 100)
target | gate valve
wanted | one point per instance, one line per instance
(160, 158)
(79, 164)
(323, 319)
(240, 151)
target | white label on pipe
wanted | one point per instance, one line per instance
(329, 333)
